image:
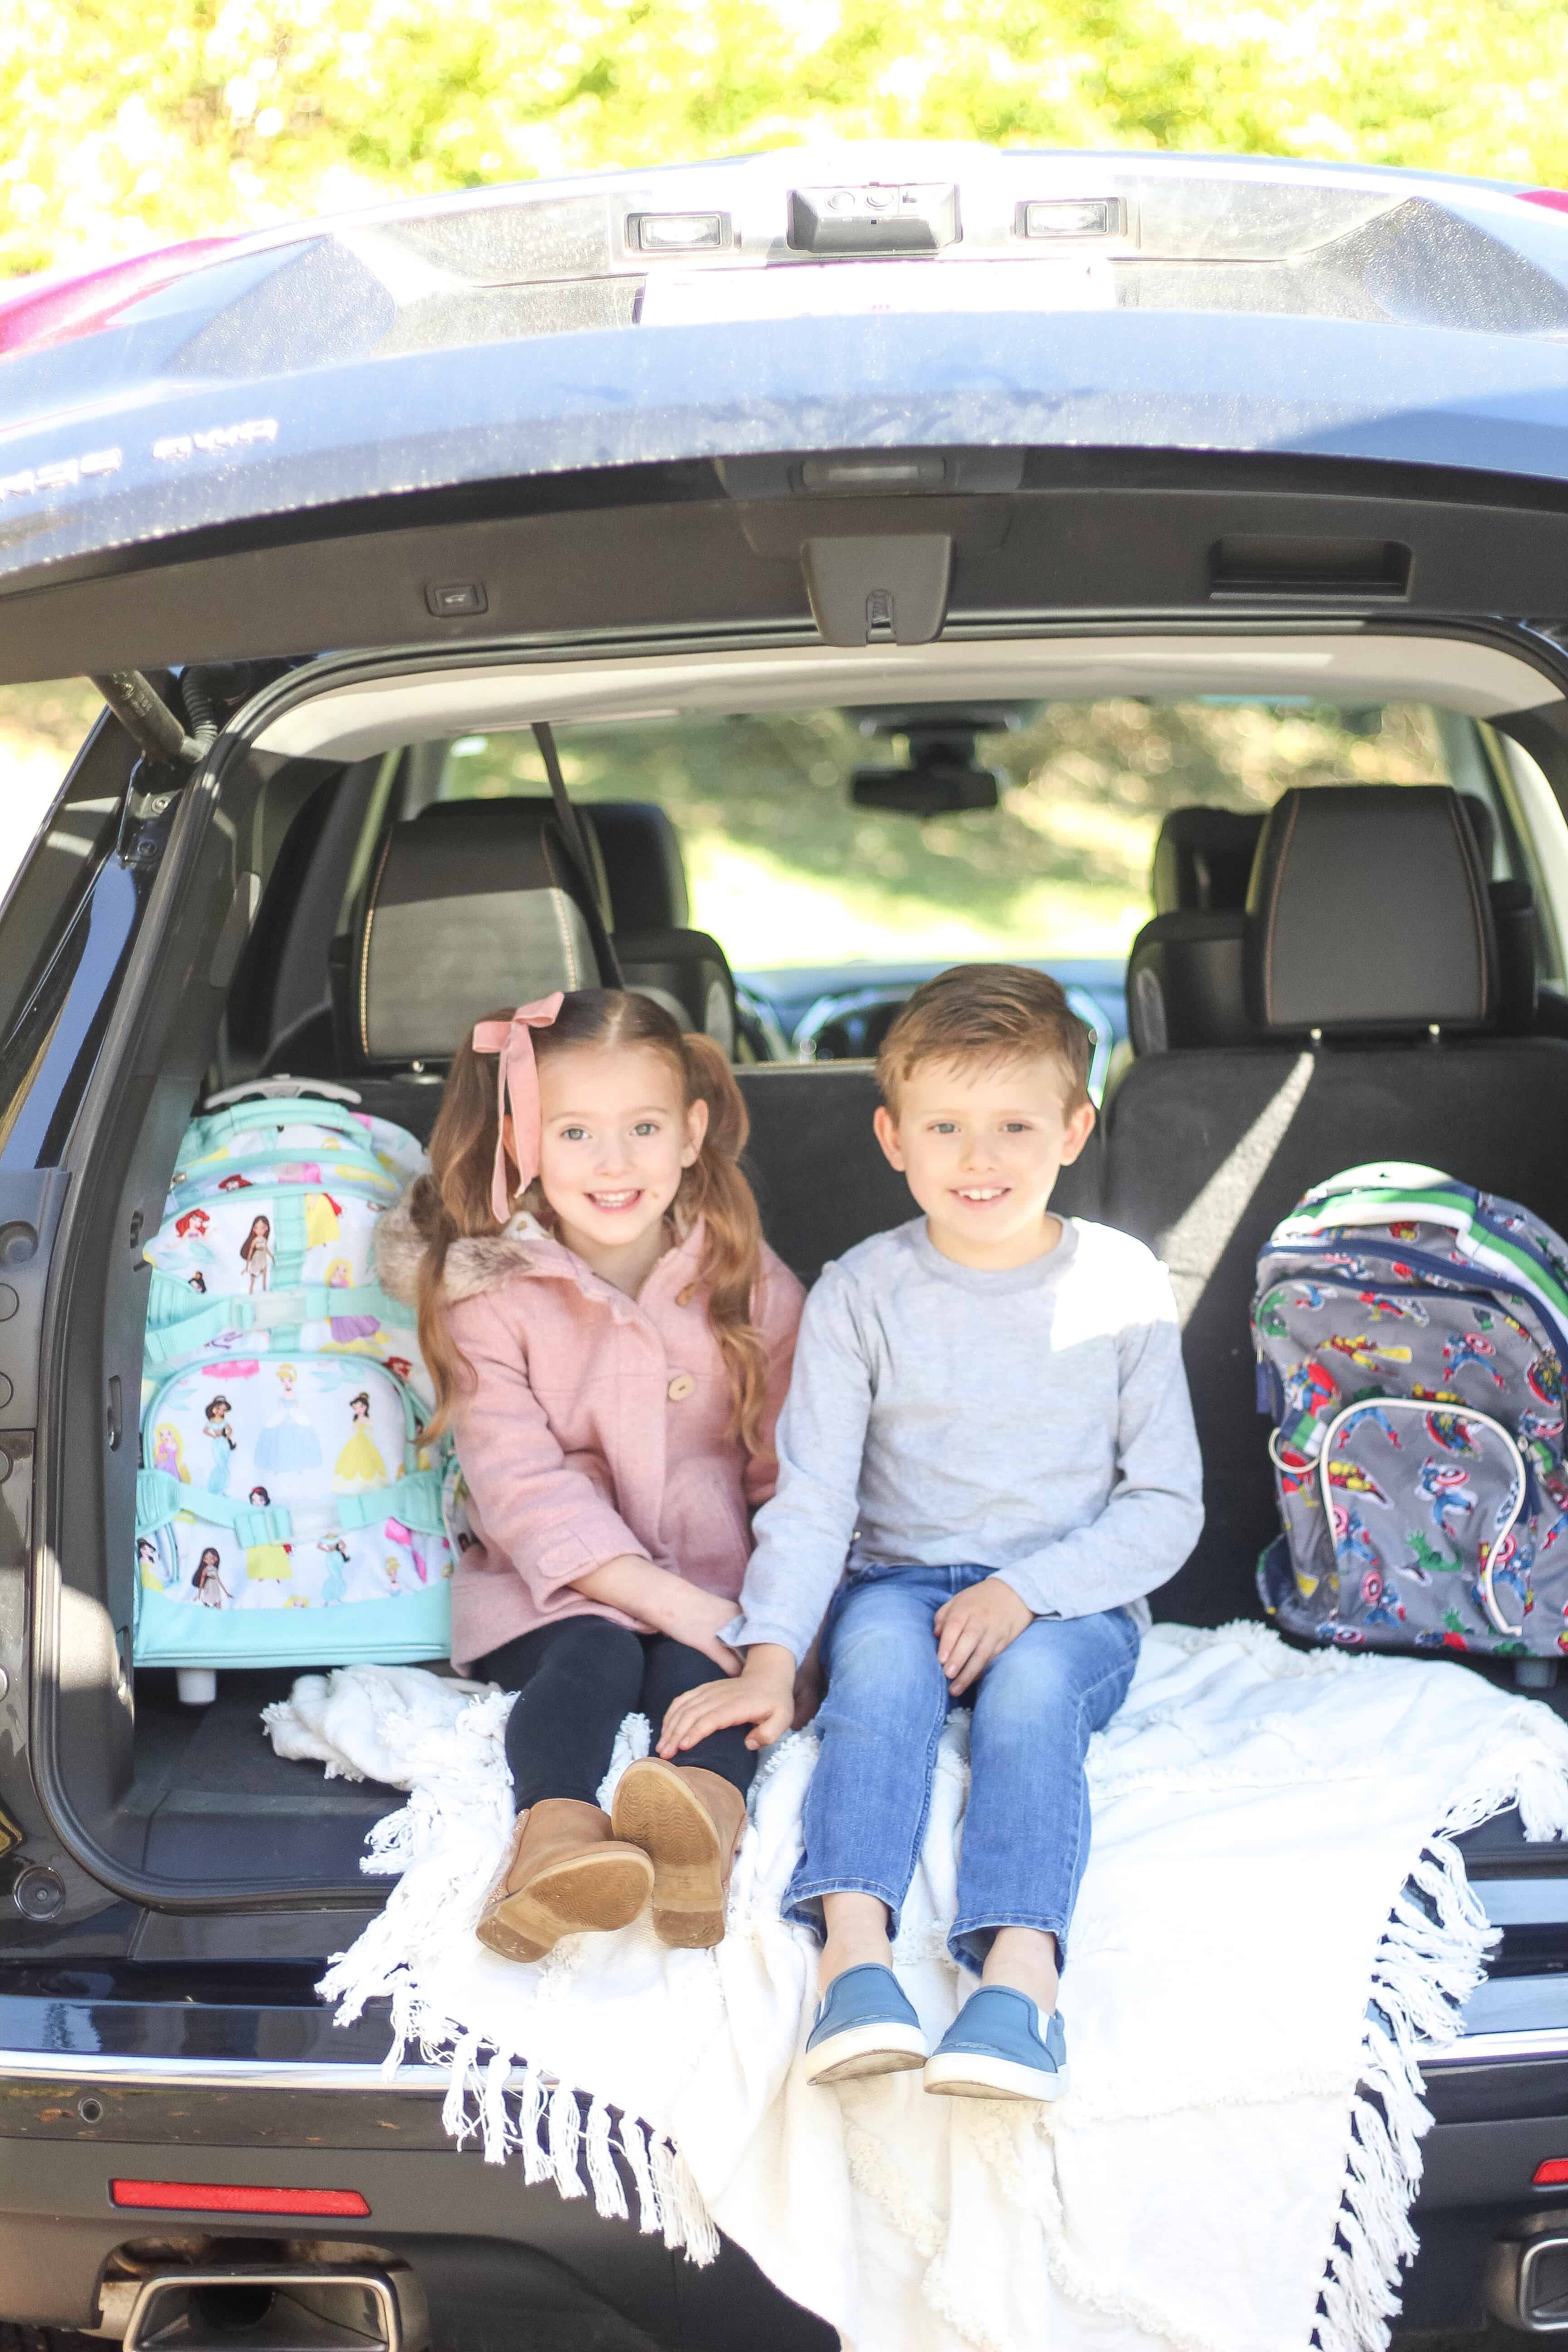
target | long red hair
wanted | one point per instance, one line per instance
(453, 1202)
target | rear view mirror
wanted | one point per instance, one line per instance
(934, 788)
(942, 777)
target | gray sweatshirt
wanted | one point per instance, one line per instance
(1036, 1423)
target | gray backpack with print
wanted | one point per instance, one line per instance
(1410, 1335)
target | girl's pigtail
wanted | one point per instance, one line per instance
(716, 1190)
(453, 1204)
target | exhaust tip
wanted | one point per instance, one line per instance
(1527, 2283)
(265, 2307)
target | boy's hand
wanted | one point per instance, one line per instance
(975, 1626)
(762, 1696)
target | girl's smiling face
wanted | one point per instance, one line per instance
(615, 1138)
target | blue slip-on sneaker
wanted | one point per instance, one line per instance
(864, 2026)
(994, 2050)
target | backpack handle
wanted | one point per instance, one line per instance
(243, 1116)
(281, 1089)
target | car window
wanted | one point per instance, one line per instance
(1542, 831)
(785, 871)
(54, 832)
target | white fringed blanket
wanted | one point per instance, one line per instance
(1252, 1979)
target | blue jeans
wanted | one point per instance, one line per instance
(1025, 1827)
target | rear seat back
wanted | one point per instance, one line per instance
(685, 971)
(644, 866)
(472, 904)
(1184, 973)
(821, 1179)
(1369, 921)
(1203, 857)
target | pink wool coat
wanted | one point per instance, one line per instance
(596, 1425)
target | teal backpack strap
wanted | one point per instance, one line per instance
(160, 1497)
(167, 1341)
(315, 1302)
(415, 1499)
(282, 1314)
(288, 1240)
(172, 1302)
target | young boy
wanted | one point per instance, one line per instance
(989, 1420)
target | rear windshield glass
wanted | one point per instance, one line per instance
(68, 832)
(786, 871)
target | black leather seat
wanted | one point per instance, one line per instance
(821, 1179)
(645, 869)
(685, 971)
(1369, 925)
(472, 904)
(1185, 970)
(1203, 859)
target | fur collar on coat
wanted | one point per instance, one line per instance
(484, 1263)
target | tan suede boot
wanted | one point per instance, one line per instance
(565, 1875)
(690, 1822)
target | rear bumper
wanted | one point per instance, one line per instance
(488, 2249)
(497, 2262)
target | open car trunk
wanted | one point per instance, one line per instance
(1336, 475)
(255, 867)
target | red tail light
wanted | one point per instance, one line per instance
(57, 313)
(1549, 2174)
(224, 2197)
(1554, 199)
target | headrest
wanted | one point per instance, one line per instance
(1203, 857)
(474, 904)
(643, 864)
(1185, 983)
(1368, 911)
(534, 813)
(688, 974)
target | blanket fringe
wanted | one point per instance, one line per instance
(500, 2099)
(1431, 1959)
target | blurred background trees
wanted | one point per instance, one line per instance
(130, 124)
(126, 124)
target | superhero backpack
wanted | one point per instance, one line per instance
(1410, 1335)
(288, 1510)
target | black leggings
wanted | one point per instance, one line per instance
(576, 1680)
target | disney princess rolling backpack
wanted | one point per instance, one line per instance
(1410, 1335)
(288, 1509)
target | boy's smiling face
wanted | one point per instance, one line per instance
(981, 1147)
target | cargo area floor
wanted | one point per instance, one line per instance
(213, 1801)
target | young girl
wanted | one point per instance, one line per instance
(611, 1339)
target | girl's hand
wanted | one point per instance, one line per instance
(664, 1604)
(763, 1697)
(975, 1626)
(689, 1614)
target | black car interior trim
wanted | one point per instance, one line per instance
(1119, 547)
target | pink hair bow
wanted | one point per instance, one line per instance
(517, 1088)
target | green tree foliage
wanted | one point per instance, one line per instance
(128, 123)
